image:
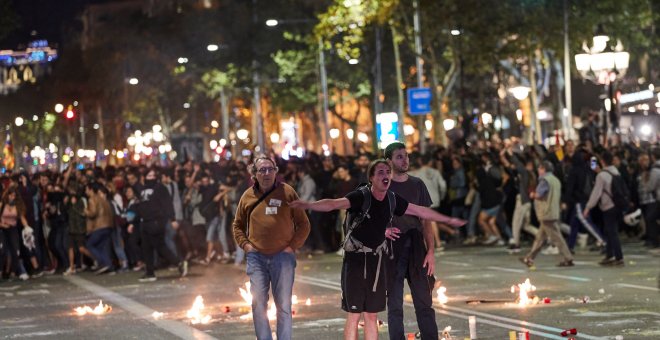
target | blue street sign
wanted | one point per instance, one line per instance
(419, 100)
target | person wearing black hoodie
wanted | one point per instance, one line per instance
(579, 182)
(154, 211)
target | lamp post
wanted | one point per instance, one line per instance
(604, 64)
(521, 93)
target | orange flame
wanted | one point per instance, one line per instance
(245, 293)
(195, 313)
(308, 302)
(442, 298)
(524, 289)
(98, 310)
(157, 315)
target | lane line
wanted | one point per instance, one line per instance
(627, 285)
(502, 325)
(506, 323)
(507, 269)
(177, 328)
(574, 278)
(461, 264)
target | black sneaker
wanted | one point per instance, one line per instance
(147, 278)
(566, 263)
(514, 248)
(527, 261)
(183, 268)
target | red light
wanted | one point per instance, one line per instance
(69, 114)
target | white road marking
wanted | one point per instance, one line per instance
(177, 328)
(463, 313)
(653, 289)
(643, 257)
(461, 264)
(507, 269)
(574, 278)
(33, 292)
(10, 288)
(568, 277)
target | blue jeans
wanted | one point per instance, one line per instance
(98, 244)
(578, 222)
(170, 234)
(118, 246)
(475, 208)
(277, 271)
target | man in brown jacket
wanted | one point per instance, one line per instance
(270, 231)
(99, 223)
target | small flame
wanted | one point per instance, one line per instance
(157, 315)
(524, 289)
(98, 310)
(308, 302)
(195, 313)
(245, 293)
(446, 333)
(272, 312)
(442, 298)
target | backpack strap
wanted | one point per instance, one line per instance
(392, 201)
(366, 202)
(611, 183)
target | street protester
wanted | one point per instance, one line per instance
(154, 211)
(12, 215)
(547, 206)
(603, 195)
(100, 221)
(362, 276)
(270, 232)
(413, 251)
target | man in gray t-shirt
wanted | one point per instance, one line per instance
(413, 257)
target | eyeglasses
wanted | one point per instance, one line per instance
(266, 170)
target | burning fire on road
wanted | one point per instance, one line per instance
(442, 298)
(526, 296)
(196, 314)
(98, 310)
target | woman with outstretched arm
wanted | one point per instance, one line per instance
(363, 288)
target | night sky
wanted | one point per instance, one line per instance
(51, 19)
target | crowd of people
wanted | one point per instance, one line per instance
(135, 217)
(387, 215)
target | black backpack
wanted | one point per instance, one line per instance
(619, 193)
(354, 219)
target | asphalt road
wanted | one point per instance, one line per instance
(601, 303)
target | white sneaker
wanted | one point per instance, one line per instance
(550, 250)
(340, 252)
(24, 277)
(490, 240)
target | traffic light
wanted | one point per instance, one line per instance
(69, 113)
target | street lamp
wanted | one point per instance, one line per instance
(19, 121)
(603, 64)
(133, 81)
(520, 92)
(59, 108)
